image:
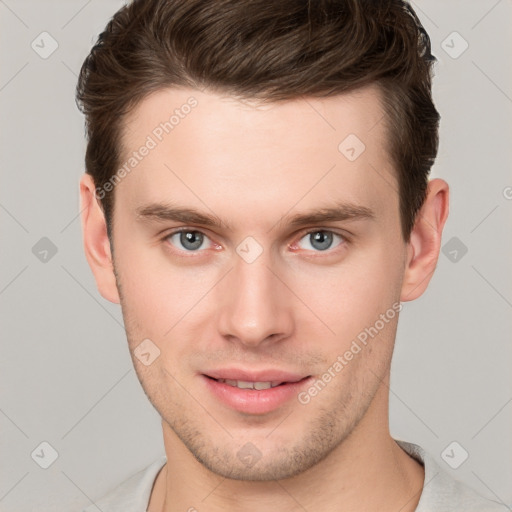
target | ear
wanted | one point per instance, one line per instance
(96, 242)
(425, 242)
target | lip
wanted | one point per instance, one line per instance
(254, 376)
(252, 401)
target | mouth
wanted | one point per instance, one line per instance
(245, 384)
(255, 395)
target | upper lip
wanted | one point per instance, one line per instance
(254, 376)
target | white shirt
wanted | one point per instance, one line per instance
(441, 492)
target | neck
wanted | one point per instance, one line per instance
(367, 471)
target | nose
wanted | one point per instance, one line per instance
(255, 304)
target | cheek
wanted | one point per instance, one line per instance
(160, 298)
(334, 302)
(349, 297)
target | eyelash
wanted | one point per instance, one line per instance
(344, 239)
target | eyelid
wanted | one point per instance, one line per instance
(343, 234)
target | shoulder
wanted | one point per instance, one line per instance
(442, 492)
(133, 494)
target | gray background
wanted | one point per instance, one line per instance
(66, 375)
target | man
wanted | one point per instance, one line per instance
(257, 200)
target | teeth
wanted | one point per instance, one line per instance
(242, 384)
(262, 385)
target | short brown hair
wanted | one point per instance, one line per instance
(267, 50)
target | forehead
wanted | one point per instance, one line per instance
(243, 152)
(358, 112)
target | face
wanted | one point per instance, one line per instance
(256, 243)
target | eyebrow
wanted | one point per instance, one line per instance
(162, 212)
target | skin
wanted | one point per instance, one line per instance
(294, 308)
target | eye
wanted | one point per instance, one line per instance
(189, 240)
(319, 240)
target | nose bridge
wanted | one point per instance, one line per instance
(255, 307)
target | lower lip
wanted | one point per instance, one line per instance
(253, 401)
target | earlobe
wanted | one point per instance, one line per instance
(96, 242)
(425, 242)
